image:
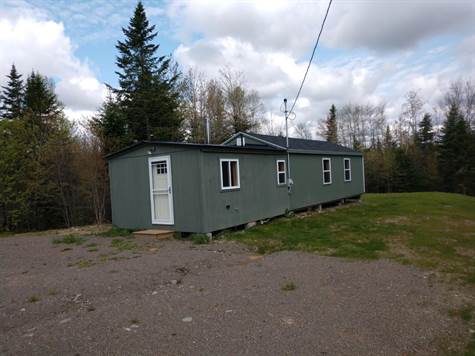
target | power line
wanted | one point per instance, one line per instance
(311, 58)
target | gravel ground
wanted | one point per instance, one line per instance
(176, 298)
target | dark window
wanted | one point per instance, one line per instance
(281, 172)
(225, 173)
(347, 169)
(327, 171)
(229, 173)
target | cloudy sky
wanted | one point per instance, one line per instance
(371, 50)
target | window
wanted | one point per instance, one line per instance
(347, 169)
(327, 170)
(241, 141)
(229, 173)
(161, 167)
(281, 172)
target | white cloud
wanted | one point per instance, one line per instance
(391, 24)
(287, 26)
(42, 45)
(269, 43)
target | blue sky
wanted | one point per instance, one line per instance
(371, 51)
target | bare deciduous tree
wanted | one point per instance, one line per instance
(462, 94)
(302, 130)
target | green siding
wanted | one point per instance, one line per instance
(130, 189)
(248, 141)
(259, 196)
(307, 174)
(199, 203)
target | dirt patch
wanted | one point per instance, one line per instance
(79, 230)
(218, 298)
(398, 220)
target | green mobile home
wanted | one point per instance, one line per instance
(204, 188)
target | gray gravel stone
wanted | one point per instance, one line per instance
(237, 305)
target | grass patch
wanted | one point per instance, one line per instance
(123, 244)
(33, 299)
(465, 312)
(289, 286)
(115, 231)
(434, 231)
(200, 239)
(70, 240)
(85, 263)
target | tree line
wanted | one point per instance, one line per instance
(421, 151)
(54, 172)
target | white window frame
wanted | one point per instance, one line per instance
(151, 161)
(328, 170)
(284, 171)
(346, 169)
(229, 160)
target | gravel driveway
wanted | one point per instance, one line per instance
(176, 298)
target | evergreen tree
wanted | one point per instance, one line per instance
(331, 126)
(12, 97)
(110, 126)
(388, 139)
(453, 159)
(148, 84)
(425, 135)
(42, 108)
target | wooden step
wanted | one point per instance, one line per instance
(156, 233)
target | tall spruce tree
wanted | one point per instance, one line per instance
(42, 109)
(453, 159)
(331, 126)
(12, 96)
(147, 83)
(425, 135)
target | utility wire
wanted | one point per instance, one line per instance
(311, 58)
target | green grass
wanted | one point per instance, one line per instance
(115, 231)
(199, 239)
(289, 286)
(69, 240)
(431, 230)
(33, 299)
(123, 244)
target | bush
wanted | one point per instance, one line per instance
(200, 239)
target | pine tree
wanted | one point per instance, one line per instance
(12, 97)
(148, 84)
(42, 109)
(331, 126)
(453, 159)
(110, 126)
(425, 135)
(388, 139)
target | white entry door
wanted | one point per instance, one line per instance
(161, 194)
